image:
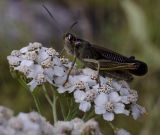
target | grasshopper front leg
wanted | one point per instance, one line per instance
(74, 61)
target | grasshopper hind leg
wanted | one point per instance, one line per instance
(119, 75)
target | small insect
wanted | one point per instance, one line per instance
(103, 60)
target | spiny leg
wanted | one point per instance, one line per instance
(74, 61)
(98, 68)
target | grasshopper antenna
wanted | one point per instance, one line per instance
(75, 23)
(72, 25)
(53, 18)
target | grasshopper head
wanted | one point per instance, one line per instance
(69, 38)
(69, 42)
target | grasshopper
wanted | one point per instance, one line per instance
(103, 60)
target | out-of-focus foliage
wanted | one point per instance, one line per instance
(130, 27)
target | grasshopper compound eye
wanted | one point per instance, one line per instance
(70, 37)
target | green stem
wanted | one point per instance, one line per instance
(46, 95)
(88, 115)
(37, 103)
(68, 115)
(84, 116)
(113, 127)
(62, 109)
(72, 114)
(54, 108)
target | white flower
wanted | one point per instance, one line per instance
(34, 46)
(32, 55)
(24, 50)
(56, 61)
(47, 63)
(62, 89)
(16, 123)
(89, 71)
(128, 96)
(16, 53)
(38, 80)
(59, 71)
(77, 126)
(82, 79)
(27, 124)
(108, 104)
(91, 127)
(27, 63)
(122, 132)
(85, 98)
(105, 89)
(49, 72)
(59, 80)
(63, 127)
(23, 69)
(51, 52)
(42, 55)
(66, 63)
(35, 70)
(118, 85)
(13, 60)
(137, 111)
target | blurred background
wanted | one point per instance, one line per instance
(130, 27)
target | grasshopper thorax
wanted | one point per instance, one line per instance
(69, 42)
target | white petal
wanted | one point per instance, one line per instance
(101, 99)
(32, 85)
(27, 63)
(124, 91)
(137, 111)
(73, 79)
(59, 80)
(124, 99)
(88, 71)
(59, 71)
(68, 64)
(100, 110)
(49, 80)
(24, 49)
(42, 56)
(49, 72)
(85, 106)
(71, 89)
(56, 61)
(116, 85)
(13, 60)
(114, 97)
(123, 132)
(87, 79)
(35, 69)
(61, 89)
(119, 108)
(79, 95)
(103, 80)
(108, 116)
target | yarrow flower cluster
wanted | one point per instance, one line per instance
(40, 65)
(37, 63)
(34, 124)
